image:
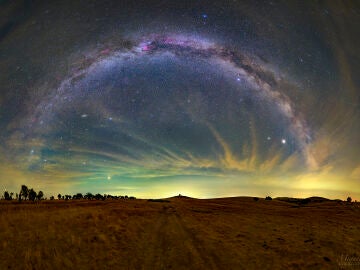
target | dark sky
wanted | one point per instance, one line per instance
(157, 98)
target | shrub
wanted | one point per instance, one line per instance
(268, 198)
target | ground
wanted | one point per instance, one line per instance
(179, 233)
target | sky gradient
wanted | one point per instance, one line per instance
(203, 99)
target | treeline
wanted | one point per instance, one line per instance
(90, 196)
(31, 195)
(24, 194)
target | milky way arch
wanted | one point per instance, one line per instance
(264, 82)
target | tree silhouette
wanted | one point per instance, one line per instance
(349, 200)
(78, 196)
(7, 196)
(88, 196)
(98, 196)
(40, 195)
(24, 192)
(32, 195)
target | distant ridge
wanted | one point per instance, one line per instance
(313, 199)
(181, 197)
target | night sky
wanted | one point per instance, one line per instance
(157, 98)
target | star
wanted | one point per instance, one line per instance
(169, 99)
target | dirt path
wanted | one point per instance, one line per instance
(171, 244)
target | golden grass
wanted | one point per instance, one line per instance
(232, 233)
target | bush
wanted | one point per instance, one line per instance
(268, 198)
(349, 200)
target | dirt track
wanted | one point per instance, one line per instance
(173, 243)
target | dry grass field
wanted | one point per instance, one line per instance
(181, 233)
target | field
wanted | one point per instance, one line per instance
(179, 233)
